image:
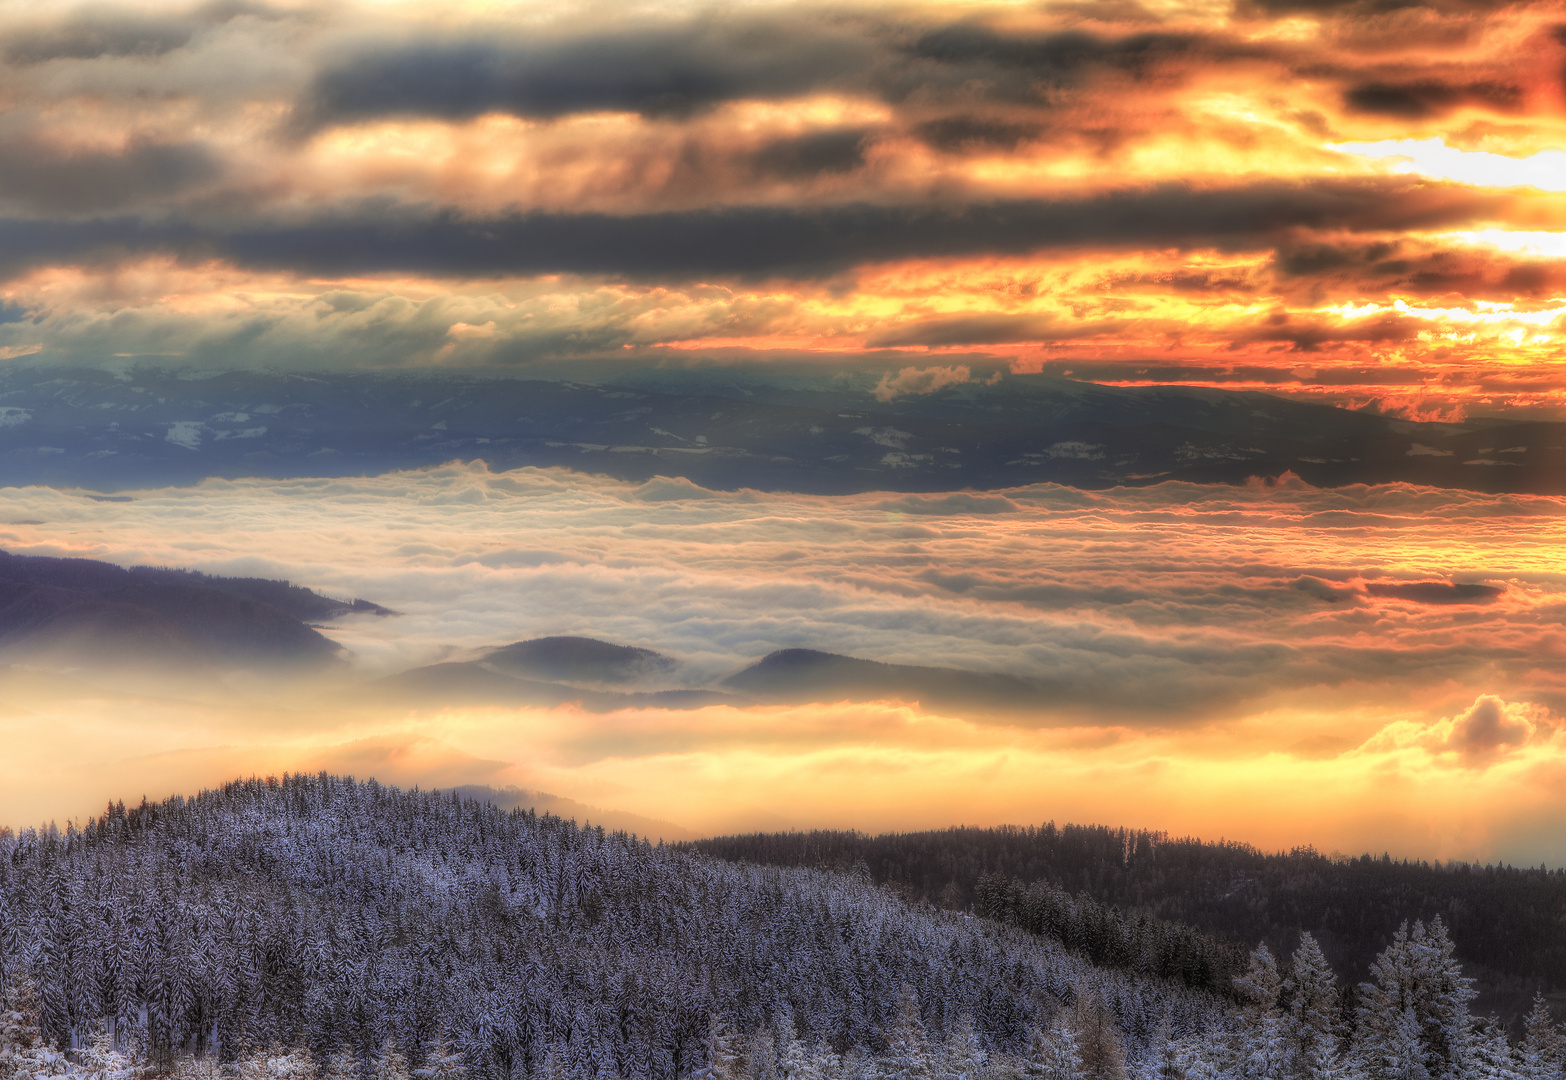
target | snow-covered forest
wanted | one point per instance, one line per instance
(318, 927)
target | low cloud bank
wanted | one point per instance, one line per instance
(1206, 648)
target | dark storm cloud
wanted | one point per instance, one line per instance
(655, 71)
(1364, 9)
(1435, 592)
(674, 70)
(763, 241)
(1308, 335)
(1383, 266)
(767, 240)
(48, 178)
(974, 60)
(1430, 97)
(804, 156)
(1063, 57)
(964, 133)
(109, 33)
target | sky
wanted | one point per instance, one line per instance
(1359, 200)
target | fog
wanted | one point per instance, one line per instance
(1244, 662)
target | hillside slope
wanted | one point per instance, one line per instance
(83, 611)
(1505, 920)
(323, 913)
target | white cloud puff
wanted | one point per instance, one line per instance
(913, 380)
(1489, 731)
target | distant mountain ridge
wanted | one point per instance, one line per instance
(803, 675)
(602, 677)
(726, 429)
(550, 671)
(578, 659)
(103, 614)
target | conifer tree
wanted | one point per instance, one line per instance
(192, 1068)
(1264, 1049)
(441, 1062)
(1489, 1055)
(1416, 1007)
(553, 1067)
(339, 1065)
(99, 1060)
(277, 1064)
(724, 1054)
(908, 1047)
(391, 1064)
(1098, 1038)
(1054, 1054)
(1315, 1021)
(796, 1061)
(19, 1013)
(1210, 1056)
(1541, 1051)
(761, 1057)
(1166, 1058)
(962, 1056)
(24, 1054)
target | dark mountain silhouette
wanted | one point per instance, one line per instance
(599, 675)
(81, 610)
(295, 600)
(551, 671)
(727, 430)
(578, 659)
(794, 676)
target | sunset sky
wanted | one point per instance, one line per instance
(1361, 203)
(1354, 200)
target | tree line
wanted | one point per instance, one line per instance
(1505, 919)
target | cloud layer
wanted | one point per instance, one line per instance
(1204, 645)
(1349, 200)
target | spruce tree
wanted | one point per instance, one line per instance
(440, 1062)
(761, 1057)
(391, 1064)
(1315, 1020)
(1416, 1007)
(1054, 1054)
(1264, 1045)
(724, 1054)
(99, 1060)
(1541, 1051)
(962, 1056)
(24, 1054)
(1489, 1055)
(797, 1062)
(908, 1047)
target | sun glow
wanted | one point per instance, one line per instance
(1544, 169)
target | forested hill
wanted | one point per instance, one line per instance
(85, 612)
(1506, 921)
(344, 917)
(315, 928)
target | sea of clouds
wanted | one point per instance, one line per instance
(1276, 663)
